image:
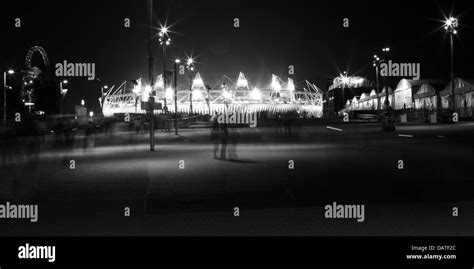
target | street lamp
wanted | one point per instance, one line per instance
(345, 81)
(103, 91)
(10, 72)
(386, 51)
(175, 73)
(165, 40)
(83, 103)
(377, 62)
(450, 26)
(63, 94)
(190, 67)
(105, 87)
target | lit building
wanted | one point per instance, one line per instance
(353, 88)
(226, 94)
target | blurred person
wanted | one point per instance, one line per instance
(233, 141)
(224, 141)
(215, 135)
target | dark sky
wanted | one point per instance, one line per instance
(272, 36)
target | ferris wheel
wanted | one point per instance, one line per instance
(30, 53)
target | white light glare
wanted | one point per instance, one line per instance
(169, 93)
(291, 85)
(255, 94)
(275, 83)
(227, 95)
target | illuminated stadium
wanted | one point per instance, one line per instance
(226, 94)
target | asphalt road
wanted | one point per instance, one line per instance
(345, 163)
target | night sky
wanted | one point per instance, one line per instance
(273, 35)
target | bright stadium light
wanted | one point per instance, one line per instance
(169, 94)
(275, 83)
(242, 81)
(197, 82)
(227, 95)
(159, 82)
(291, 85)
(255, 94)
(136, 89)
(358, 81)
(197, 94)
(147, 90)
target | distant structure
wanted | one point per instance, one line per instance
(414, 95)
(226, 94)
(334, 99)
(34, 78)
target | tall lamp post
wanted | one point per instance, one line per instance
(104, 90)
(377, 62)
(386, 50)
(450, 25)
(151, 99)
(190, 67)
(165, 40)
(175, 73)
(10, 72)
(63, 94)
(345, 81)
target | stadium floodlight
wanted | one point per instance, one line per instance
(291, 86)
(275, 83)
(197, 82)
(256, 94)
(169, 94)
(242, 81)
